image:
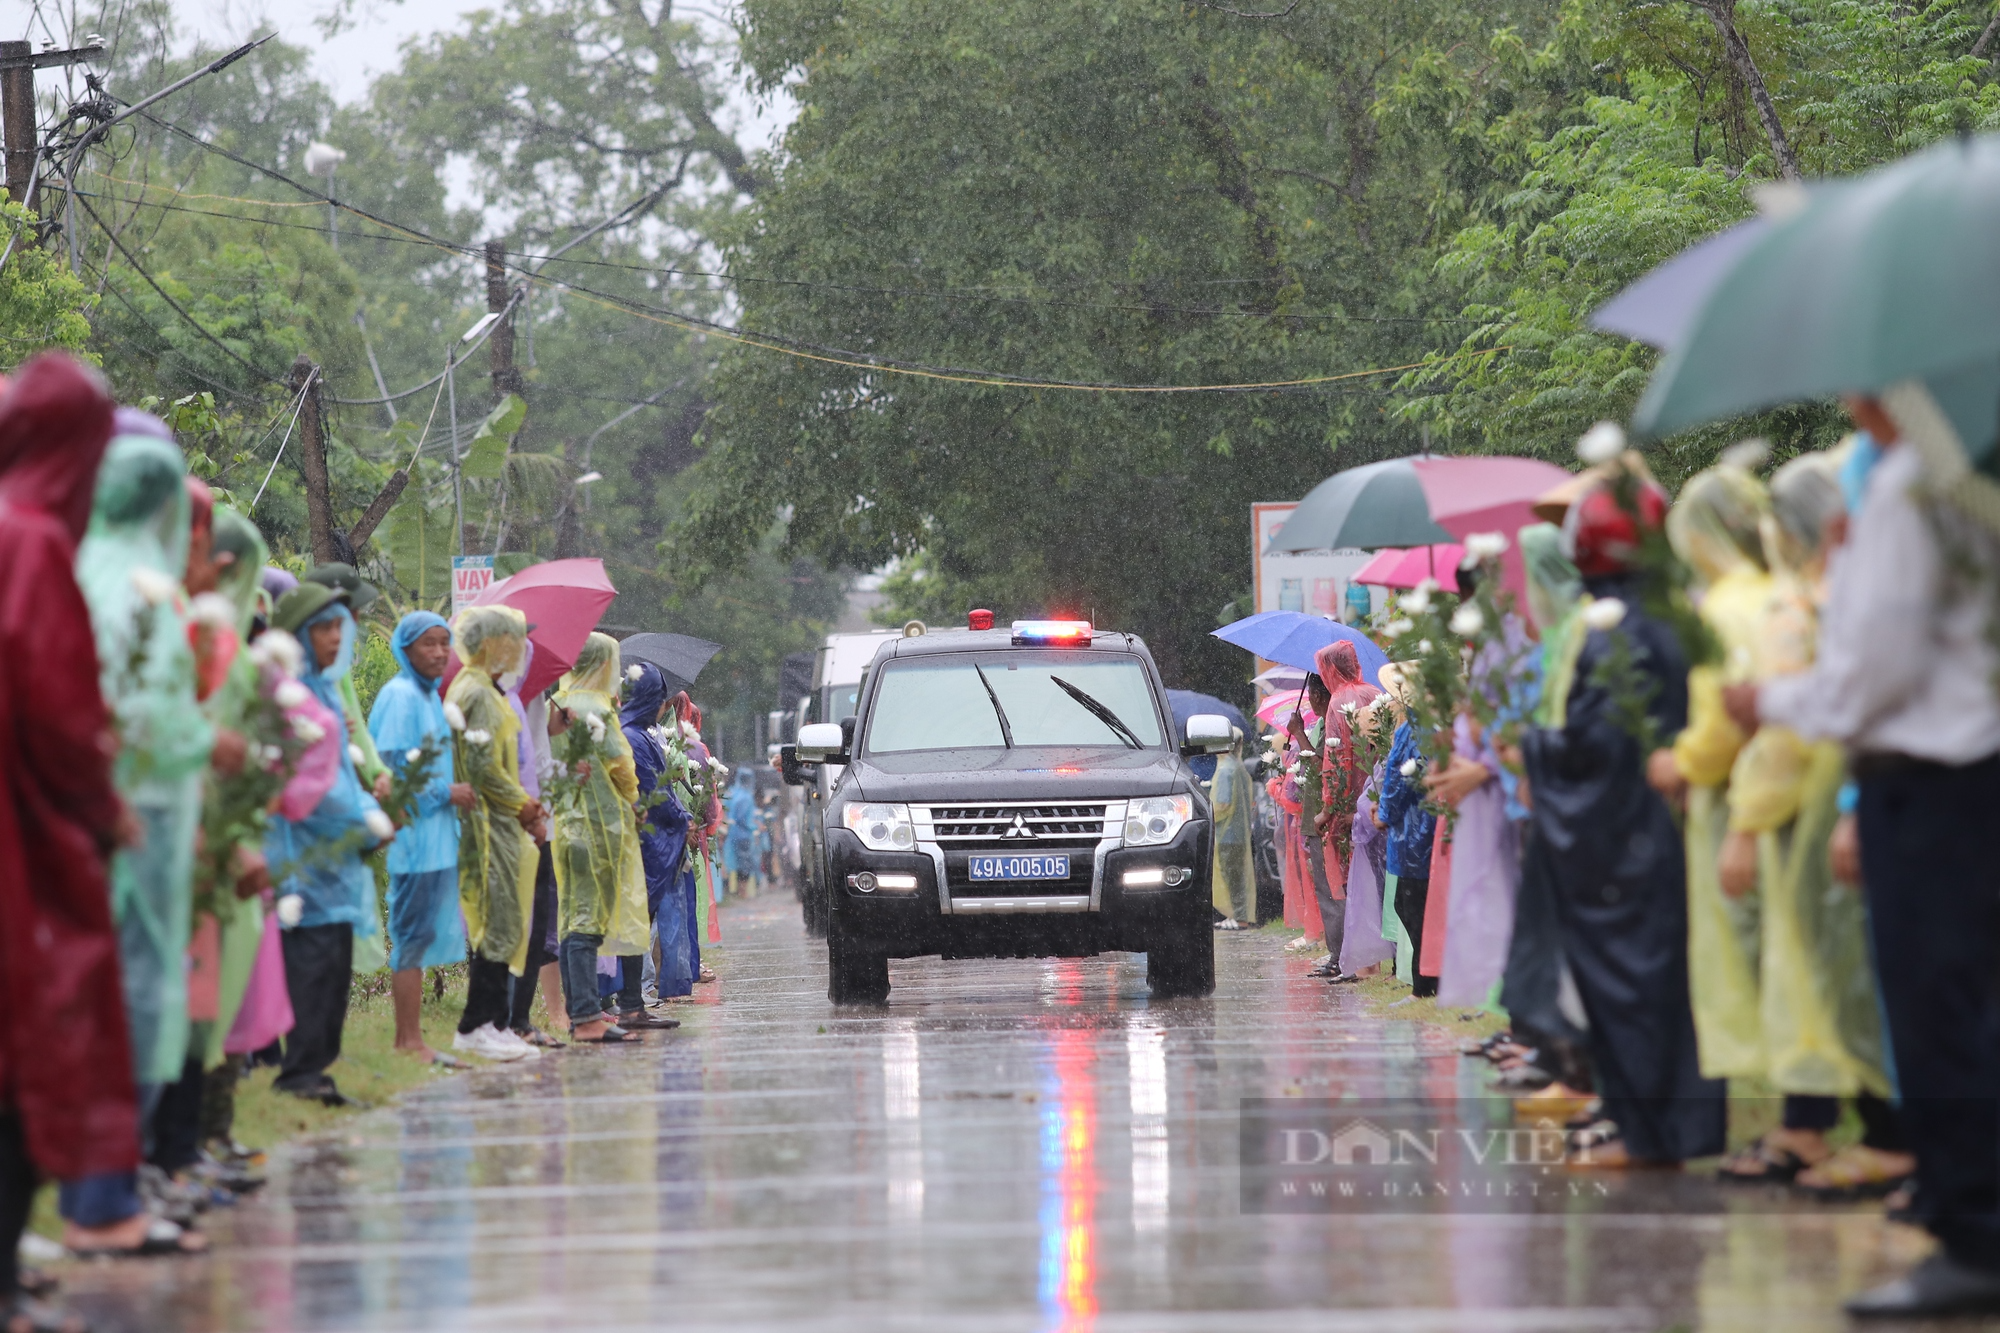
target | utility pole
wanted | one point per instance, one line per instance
(506, 379)
(312, 460)
(18, 63)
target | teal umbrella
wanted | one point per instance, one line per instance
(1886, 277)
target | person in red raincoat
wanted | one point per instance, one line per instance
(67, 1103)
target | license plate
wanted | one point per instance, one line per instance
(1017, 867)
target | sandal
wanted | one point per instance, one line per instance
(612, 1035)
(639, 1018)
(1857, 1172)
(707, 973)
(537, 1037)
(1761, 1163)
(26, 1314)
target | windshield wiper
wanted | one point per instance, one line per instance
(1101, 713)
(1006, 732)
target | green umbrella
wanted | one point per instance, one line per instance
(1889, 276)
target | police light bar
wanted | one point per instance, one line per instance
(1061, 633)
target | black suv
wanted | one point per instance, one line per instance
(1015, 794)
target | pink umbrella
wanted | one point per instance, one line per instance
(1487, 494)
(562, 599)
(1277, 710)
(1399, 568)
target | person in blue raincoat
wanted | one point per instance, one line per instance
(317, 860)
(739, 849)
(426, 928)
(664, 828)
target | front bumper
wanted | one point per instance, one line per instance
(935, 919)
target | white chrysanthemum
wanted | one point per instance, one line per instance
(308, 730)
(1485, 546)
(454, 716)
(291, 908)
(289, 694)
(380, 826)
(1601, 443)
(278, 651)
(355, 756)
(595, 724)
(273, 753)
(478, 736)
(635, 673)
(1409, 768)
(1606, 613)
(1398, 627)
(412, 754)
(151, 585)
(690, 732)
(718, 765)
(1468, 620)
(1418, 599)
(212, 609)
(1423, 645)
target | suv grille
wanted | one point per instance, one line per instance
(963, 826)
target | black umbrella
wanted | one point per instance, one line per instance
(679, 655)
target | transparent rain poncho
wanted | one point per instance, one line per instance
(1717, 528)
(600, 879)
(1821, 1028)
(1233, 882)
(129, 567)
(496, 856)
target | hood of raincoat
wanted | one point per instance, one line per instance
(138, 421)
(324, 682)
(1340, 671)
(596, 667)
(1805, 494)
(1602, 537)
(490, 638)
(237, 537)
(1717, 524)
(142, 500)
(745, 780)
(408, 630)
(55, 423)
(277, 582)
(1553, 583)
(645, 691)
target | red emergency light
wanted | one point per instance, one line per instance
(979, 618)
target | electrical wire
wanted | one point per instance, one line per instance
(297, 407)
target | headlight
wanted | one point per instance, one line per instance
(1156, 819)
(881, 828)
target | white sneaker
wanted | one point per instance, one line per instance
(529, 1051)
(487, 1043)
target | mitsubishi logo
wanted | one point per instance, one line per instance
(1018, 830)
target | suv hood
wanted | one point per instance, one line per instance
(1026, 774)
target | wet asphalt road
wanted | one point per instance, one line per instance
(1012, 1145)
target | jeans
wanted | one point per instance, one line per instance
(1332, 910)
(319, 973)
(579, 974)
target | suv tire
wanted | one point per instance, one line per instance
(1182, 959)
(855, 973)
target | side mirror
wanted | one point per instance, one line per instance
(821, 743)
(788, 766)
(1208, 733)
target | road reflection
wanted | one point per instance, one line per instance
(1069, 1183)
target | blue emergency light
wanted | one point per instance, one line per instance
(1056, 633)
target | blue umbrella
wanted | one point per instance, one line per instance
(1186, 703)
(1293, 638)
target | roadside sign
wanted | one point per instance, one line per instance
(470, 576)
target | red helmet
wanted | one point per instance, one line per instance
(1603, 532)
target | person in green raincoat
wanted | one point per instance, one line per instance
(130, 567)
(496, 854)
(600, 879)
(1819, 1022)
(1233, 879)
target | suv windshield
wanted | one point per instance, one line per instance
(975, 701)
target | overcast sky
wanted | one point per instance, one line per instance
(371, 46)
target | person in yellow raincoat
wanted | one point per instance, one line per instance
(1233, 878)
(1820, 1023)
(1717, 528)
(496, 854)
(600, 879)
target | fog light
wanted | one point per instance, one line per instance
(1178, 875)
(1139, 879)
(899, 883)
(863, 882)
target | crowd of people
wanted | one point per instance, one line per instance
(1679, 835)
(194, 807)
